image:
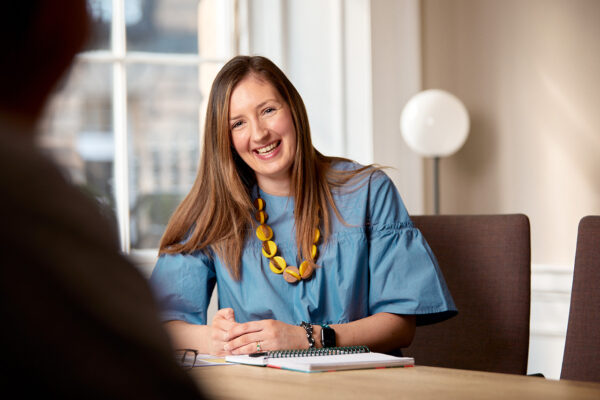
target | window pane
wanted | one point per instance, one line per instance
(100, 14)
(77, 131)
(163, 26)
(163, 106)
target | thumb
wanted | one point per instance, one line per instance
(227, 313)
(230, 314)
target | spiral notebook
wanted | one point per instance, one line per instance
(321, 360)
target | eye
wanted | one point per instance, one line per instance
(236, 124)
(269, 110)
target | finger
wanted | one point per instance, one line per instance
(225, 313)
(245, 328)
(224, 325)
(230, 315)
(221, 329)
(219, 335)
(245, 344)
(249, 348)
(224, 319)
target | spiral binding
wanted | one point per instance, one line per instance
(327, 351)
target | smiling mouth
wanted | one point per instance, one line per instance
(268, 148)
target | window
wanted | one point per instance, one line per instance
(126, 124)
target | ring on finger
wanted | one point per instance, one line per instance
(258, 346)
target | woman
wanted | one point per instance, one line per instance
(307, 250)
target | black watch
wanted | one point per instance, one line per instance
(327, 336)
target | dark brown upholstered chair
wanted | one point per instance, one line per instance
(486, 261)
(581, 359)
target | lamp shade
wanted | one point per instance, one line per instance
(434, 123)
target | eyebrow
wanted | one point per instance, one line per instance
(261, 105)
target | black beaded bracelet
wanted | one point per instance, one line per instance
(309, 334)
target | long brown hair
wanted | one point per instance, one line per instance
(217, 212)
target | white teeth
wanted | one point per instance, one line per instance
(267, 149)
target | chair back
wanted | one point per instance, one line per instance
(486, 261)
(581, 360)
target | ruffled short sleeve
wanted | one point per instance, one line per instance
(183, 285)
(404, 274)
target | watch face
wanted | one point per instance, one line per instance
(327, 337)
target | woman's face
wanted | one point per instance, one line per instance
(263, 133)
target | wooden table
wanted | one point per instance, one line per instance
(248, 382)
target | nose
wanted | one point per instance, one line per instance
(259, 131)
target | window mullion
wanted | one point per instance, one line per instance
(141, 57)
(121, 172)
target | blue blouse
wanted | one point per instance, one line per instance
(376, 262)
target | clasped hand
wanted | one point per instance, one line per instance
(231, 337)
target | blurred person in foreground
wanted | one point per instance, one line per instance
(78, 320)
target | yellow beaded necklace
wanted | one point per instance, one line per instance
(277, 264)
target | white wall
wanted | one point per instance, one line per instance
(396, 76)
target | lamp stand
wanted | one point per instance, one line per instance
(436, 185)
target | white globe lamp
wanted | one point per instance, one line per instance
(434, 123)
